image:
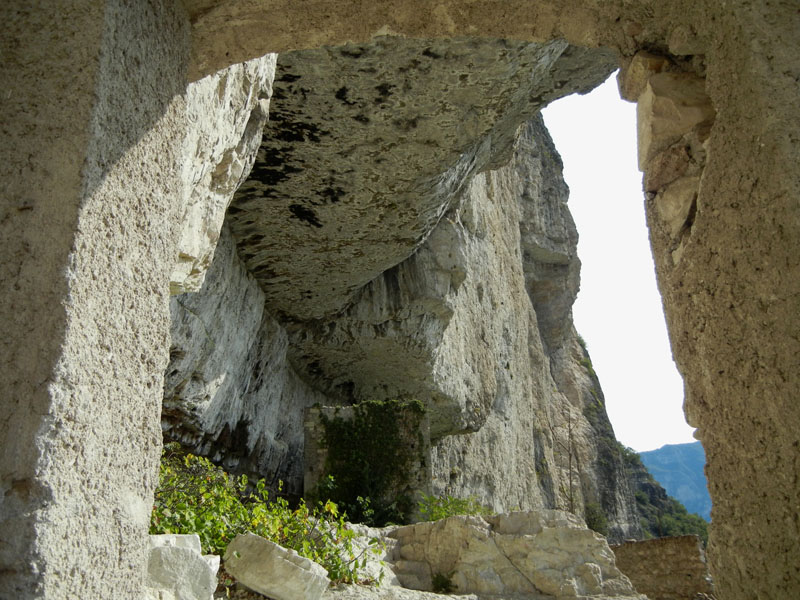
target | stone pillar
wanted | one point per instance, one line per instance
(722, 207)
(91, 114)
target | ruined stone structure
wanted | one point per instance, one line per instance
(670, 568)
(108, 178)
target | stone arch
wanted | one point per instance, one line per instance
(87, 298)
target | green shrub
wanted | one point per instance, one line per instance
(596, 518)
(676, 520)
(433, 508)
(194, 496)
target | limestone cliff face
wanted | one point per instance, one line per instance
(229, 391)
(391, 242)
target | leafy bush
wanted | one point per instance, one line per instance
(596, 518)
(194, 496)
(433, 508)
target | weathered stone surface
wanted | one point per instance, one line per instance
(477, 325)
(671, 105)
(226, 113)
(633, 77)
(177, 569)
(548, 553)
(274, 571)
(676, 203)
(672, 568)
(229, 391)
(355, 170)
(92, 124)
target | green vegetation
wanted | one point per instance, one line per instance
(194, 496)
(442, 584)
(661, 515)
(596, 518)
(668, 518)
(370, 459)
(586, 363)
(432, 508)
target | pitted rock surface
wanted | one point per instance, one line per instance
(369, 145)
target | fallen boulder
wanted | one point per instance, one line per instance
(270, 569)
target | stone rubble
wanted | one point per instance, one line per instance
(537, 555)
(177, 569)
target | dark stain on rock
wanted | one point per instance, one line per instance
(341, 95)
(288, 77)
(332, 195)
(235, 440)
(304, 214)
(406, 124)
(272, 175)
(384, 91)
(282, 128)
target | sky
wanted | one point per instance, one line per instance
(618, 311)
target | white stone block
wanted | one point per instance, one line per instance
(269, 569)
(176, 569)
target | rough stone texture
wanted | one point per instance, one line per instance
(732, 358)
(503, 552)
(672, 568)
(92, 136)
(229, 392)
(355, 170)
(274, 571)
(177, 569)
(505, 248)
(544, 553)
(530, 418)
(535, 412)
(634, 77)
(671, 106)
(226, 113)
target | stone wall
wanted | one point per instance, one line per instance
(671, 568)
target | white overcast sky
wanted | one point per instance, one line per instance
(618, 311)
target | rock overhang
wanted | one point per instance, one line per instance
(368, 145)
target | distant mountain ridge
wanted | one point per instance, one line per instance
(679, 469)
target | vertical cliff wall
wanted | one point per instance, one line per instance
(476, 322)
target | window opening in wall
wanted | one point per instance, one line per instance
(618, 310)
